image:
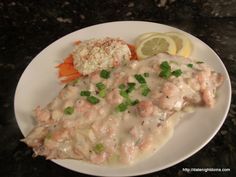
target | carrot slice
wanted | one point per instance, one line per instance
(133, 52)
(69, 59)
(66, 69)
(71, 78)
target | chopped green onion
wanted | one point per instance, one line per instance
(146, 74)
(145, 89)
(134, 102)
(140, 78)
(165, 65)
(69, 110)
(105, 74)
(99, 148)
(131, 87)
(199, 62)
(177, 72)
(165, 74)
(102, 93)
(85, 93)
(93, 99)
(100, 86)
(122, 107)
(124, 93)
(122, 86)
(190, 65)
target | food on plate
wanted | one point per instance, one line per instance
(67, 70)
(95, 54)
(152, 43)
(183, 44)
(142, 37)
(155, 44)
(119, 115)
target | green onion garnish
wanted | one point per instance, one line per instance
(122, 86)
(122, 107)
(190, 65)
(145, 90)
(134, 102)
(69, 110)
(98, 148)
(100, 86)
(140, 78)
(131, 87)
(124, 93)
(165, 65)
(165, 74)
(102, 93)
(165, 70)
(105, 74)
(85, 93)
(146, 74)
(176, 73)
(93, 99)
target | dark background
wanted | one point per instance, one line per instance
(27, 27)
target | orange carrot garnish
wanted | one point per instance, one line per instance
(71, 78)
(133, 52)
(67, 71)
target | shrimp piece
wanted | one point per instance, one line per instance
(114, 97)
(69, 123)
(170, 96)
(146, 143)
(60, 135)
(170, 89)
(208, 97)
(95, 77)
(110, 145)
(127, 152)
(145, 108)
(42, 115)
(203, 79)
(83, 106)
(136, 132)
(192, 82)
(98, 158)
(119, 78)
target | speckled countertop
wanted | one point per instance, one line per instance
(26, 27)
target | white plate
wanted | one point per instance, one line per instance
(39, 84)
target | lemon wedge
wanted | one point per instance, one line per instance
(183, 44)
(142, 37)
(154, 44)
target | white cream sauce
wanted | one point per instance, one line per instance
(104, 134)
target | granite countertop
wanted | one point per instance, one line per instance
(26, 27)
